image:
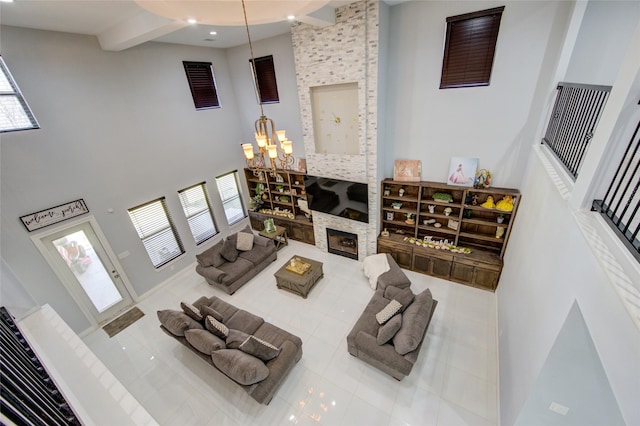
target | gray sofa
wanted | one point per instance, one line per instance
(225, 267)
(394, 352)
(226, 356)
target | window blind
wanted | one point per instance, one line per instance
(231, 201)
(202, 84)
(197, 209)
(470, 48)
(157, 231)
(266, 77)
(15, 114)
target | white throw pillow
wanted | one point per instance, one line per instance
(374, 266)
(245, 241)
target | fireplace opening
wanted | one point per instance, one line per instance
(342, 243)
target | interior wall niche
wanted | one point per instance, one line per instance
(334, 111)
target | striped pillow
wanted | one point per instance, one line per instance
(216, 327)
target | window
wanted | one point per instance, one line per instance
(265, 76)
(202, 84)
(620, 205)
(573, 120)
(197, 209)
(231, 201)
(157, 232)
(469, 48)
(15, 114)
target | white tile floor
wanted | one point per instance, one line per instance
(453, 382)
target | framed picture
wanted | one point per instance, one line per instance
(462, 171)
(407, 170)
(269, 226)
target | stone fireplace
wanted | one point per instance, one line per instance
(342, 243)
(322, 62)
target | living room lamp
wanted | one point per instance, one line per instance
(265, 132)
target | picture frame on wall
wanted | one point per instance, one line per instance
(407, 170)
(462, 171)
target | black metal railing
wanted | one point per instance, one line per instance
(28, 396)
(621, 202)
(573, 120)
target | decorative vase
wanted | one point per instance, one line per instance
(500, 219)
(432, 208)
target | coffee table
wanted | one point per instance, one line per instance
(299, 283)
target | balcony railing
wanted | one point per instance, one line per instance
(573, 120)
(621, 202)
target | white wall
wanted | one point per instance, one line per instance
(118, 129)
(602, 42)
(492, 122)
(286, 113)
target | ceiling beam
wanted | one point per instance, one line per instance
(323, 17)
(139, 29)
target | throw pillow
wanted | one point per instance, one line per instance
(387, 331)
(259, 348)
(245, 241)
(216, 327)
(211, 256)
(191, 310)
(239, 366)
(388, 311)
(403, 295)
(236, 338)
(208, 310)
(204, 341)
(374, 266)
(414, 324)
(177, 322)
(229, 251)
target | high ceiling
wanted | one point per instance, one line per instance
(120, 24)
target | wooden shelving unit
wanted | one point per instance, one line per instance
(462, 221)
(280, 193)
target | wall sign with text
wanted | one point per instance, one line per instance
(53, 215)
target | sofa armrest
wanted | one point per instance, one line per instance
(394, 276)
(279, 367)
(262, 241)
(383, 354)
(211, 273)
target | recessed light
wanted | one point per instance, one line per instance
(213, 32)
(191, 21)
(291, 17)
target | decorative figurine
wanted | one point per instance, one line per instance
(474, 201)
(506, 204)
(447, 211)
(483, 179)
(401, 192)
(499, 231)
(387, 191)
(432, 208)
(385, 233)
(489, 204)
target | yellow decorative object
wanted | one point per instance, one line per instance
(506, 204)
(489, 204)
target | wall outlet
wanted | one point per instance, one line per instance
(559, 408)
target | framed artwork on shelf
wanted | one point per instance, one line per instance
(269, 226)
(407, 170)
(462, 171)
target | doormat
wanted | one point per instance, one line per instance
(123, 321)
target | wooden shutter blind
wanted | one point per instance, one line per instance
(469, 48)
(266, 76)
(202, 85)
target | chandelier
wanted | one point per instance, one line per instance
(267, 138)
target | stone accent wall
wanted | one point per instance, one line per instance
(343, 53)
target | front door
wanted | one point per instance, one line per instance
(82, 263)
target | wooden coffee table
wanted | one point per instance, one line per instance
(299, 283)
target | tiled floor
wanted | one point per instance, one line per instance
(453, 382)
